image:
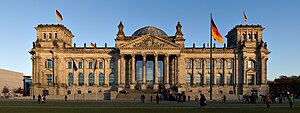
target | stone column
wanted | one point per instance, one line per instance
(204, 72)
(144, 85)
(123, 71)
(156, 71)
(264, 71)
(214, 71)
(132, 85)
(194, 72)
(236, 75)
(106, 74)
(166, 76)
(225, 72)
(38, 71)
(245, 74)
(173, 72)
(117, 67)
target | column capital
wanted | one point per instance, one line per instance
(155, 55)
(167, 55)
(133, 55)
(122, 55)
(144, 55)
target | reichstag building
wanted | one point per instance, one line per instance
(149, 59)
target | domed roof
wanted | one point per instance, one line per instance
(150, 30)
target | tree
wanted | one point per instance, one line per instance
(19, 90)
(5, 90)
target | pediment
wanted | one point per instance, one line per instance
(150, 42)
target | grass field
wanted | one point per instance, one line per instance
(137, 107)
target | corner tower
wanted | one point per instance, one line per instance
(252, 54)
(53, 35)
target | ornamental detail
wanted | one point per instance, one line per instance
(150, 43)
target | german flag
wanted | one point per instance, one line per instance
(215, 32)
(93, 45)
(58, 16)
(245, 17)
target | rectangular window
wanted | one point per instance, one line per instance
(229, 64)
(188, 64)
(250, 79)
(80, 65)
(111, 65)
(250, 64)
(49, 79)
(69, 65)
(199, 64)
(219, 65)
(45, 36)
(208, 65)
(90, 65)
(100, 65)
(49, 64)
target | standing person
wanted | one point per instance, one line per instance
(151, 98)
(268, 100)
(33, 97)
(141, 98)
(39, 98)
(291, 99)
(224, 98)
(202, 100)
(66, 97)
(43, 99)
(157, 99)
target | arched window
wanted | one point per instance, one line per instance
(207, 79)
(91, 79)
(229, 79)
(50, 35)
(111, 79)
(249, 37)
(218, 79)
(71, 79)
(44, 35)
(80, 79)
(56, 36)
(188, 79)
(198, 80)
(111, 64)
(243, 37)
(101, 79)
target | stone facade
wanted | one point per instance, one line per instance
(60, 68)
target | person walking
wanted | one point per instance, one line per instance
(202, 100)
(268, 100)
(39, 98)
(291, 100)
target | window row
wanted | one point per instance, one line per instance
(91, 65)
(91, 80)
(229, 79)
(50, 35)
(208, 65)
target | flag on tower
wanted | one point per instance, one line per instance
(93, 45)
(215, 32)
(58, 16)
(245, 17)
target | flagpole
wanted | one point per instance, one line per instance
(211, 75)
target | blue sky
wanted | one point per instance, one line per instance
(97, 20)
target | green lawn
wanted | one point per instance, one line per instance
(137, 107)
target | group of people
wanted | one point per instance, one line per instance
(41, 99)
(268, 99)
(151, 98)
